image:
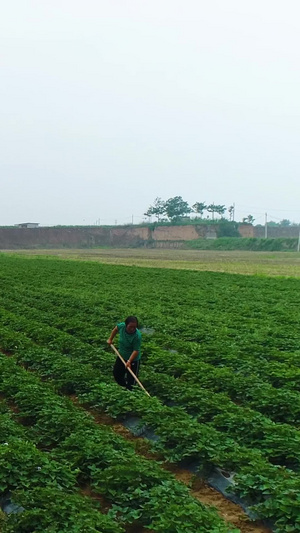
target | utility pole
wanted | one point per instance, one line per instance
(266, 226)
(132, 219)
(298, 247)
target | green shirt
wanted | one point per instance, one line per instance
(128, 342)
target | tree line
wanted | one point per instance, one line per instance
(176, 208)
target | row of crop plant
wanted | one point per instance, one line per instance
(180, 436)
(280, 405)
(279, 441)
(63, 449)
(186, 309)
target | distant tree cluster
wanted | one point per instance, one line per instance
(285, 222)
(176, 208)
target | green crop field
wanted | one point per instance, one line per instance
(220, 359)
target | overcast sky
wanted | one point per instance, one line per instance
(108, 104)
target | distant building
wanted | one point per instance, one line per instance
(28, 225)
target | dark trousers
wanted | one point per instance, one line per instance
(122, 376)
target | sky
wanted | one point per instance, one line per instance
(107, 104)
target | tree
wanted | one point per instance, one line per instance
(227, 228)
(157, 209)
(176, 208)
(199, 207)
(220, 209)
(248, 220)
(213, 208)
(285, 222)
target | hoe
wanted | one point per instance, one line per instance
(129, 369)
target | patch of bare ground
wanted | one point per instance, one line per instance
(229, 511)
(88, 491)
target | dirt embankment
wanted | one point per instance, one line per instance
(89, 237)
(95, 236)
(124, 236)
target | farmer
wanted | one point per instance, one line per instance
(130, 348)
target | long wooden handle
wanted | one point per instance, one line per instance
(129, 369)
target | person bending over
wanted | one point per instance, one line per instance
(130, 348)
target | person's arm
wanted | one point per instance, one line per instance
(134, 354)
(112, 335)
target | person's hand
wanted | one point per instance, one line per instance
(109, 341)
(128, 364)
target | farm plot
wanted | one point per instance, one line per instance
(221, 362)
(233, 261)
